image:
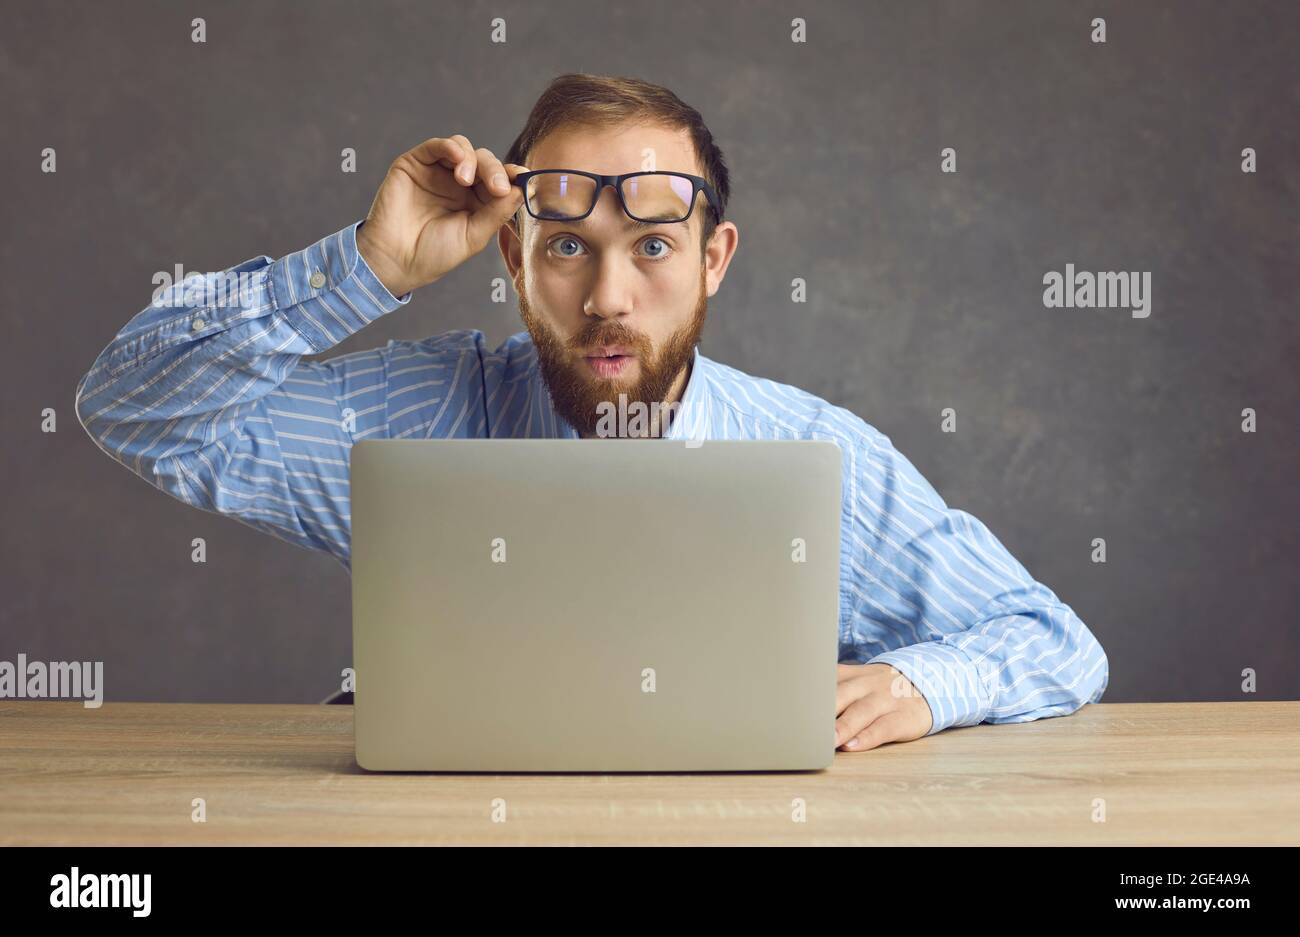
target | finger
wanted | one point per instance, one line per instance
(489, 167)
(848, 692)
(850, 685)
(891, 727)
(492, 175)
(442, 151)
(487, 218)
(466, 169)
(513, 170)
(859, 715)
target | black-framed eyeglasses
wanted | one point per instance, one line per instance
(652, 196)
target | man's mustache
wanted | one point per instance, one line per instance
(596, 338)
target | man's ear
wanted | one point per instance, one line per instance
(718, 252)
(511, 246)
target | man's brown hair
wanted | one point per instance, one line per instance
(601, 100)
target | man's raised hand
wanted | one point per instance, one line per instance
(439, 204)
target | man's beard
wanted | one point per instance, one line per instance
(578, 394)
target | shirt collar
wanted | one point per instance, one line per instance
(691, 421)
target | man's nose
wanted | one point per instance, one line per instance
(610, 295)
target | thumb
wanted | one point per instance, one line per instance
(486, 220)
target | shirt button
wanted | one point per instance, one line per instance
(198, 325)
(317, 280)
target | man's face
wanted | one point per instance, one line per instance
(606, 284)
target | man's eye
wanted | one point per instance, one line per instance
(663, 251)
(656, 248)
(563, 250)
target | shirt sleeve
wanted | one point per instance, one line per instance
(203, 394)
(979, 637)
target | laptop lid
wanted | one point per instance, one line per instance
(595, 605)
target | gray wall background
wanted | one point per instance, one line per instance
(925, 289)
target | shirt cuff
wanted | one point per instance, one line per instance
(328, 291)
(959, 690)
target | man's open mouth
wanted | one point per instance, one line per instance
(608, 361)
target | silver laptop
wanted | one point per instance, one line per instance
(595, 605)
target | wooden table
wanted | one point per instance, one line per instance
(1165, 773)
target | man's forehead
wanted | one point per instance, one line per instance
(612, 151)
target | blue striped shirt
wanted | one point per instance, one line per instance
(211, 402)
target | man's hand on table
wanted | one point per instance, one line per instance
(877, 704)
